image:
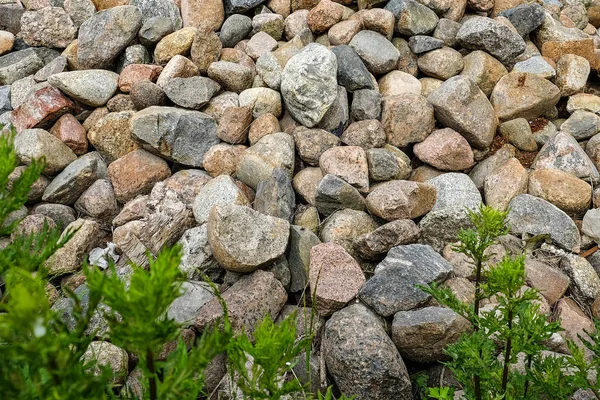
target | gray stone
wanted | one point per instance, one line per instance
(337, 116)
(585, 283)
(350, 336)
(423, 335)
(351, 71)
(518, 133)
(35, 143)
(335, 194)
(441, 226)
(383, 165)
(70, 257)
(269, 69)
(422, 44)
(258, 162)
(186, 307)
(393, 289)
(460, 104)
(240, 6)
(343, 226)
(235, 29)
(446, 30)
(309, 84)
(482, 33)
(18, 65)
(181, 135)
(412, 17)
(154, 29)
(243, 240)
(536, 65)
(67, 186)
(5, 99)
(525, 17)
(91, 87)
(275, 196)
(10, 17)
(455, 190)
(564, 153)
(480, 171)
(159, 8)
(103, 36)
(59, 64)
(581, 125)
(197, 259)
(374, 245)
(531, 215)
(298, 256)
(379, 54)
(221, 190)
(99, 203)
(79, 10)
(62, 215)
(194, 92)
(146, 94)
(135, 54)
(65, 309)
(366, 105)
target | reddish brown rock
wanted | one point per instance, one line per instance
(324, 16)
(71, 133)
(584, 48)
(41, 109)
(263, 126)
(335, 277)
(234, 125)
(222, 159)
(136, 173)
(207, 12)
(551, 283)
(505, 183)
(446, 150)
(135, 73)
(573, 320)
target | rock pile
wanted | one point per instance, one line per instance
(318, 145)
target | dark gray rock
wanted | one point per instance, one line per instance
(336, 118)
(61, 214)
(159, 8)
(352, 72)
(392, 288)
(18, 65)
(106, 34)
(440, 227)
(181, 135)
(383, 165)
(10, 17)
(240, 6)
(146, 94)
(531, 215)
(379, 54)
(366, 104)
(446, 30)
(412, 17)
(154, 29)
(525, 17)
(67, 186)
(235, 29)
(194, 92)
(362, 358)
(276, 196)
(423, 335)
(422, 44)
(335, 194)
(482, 33)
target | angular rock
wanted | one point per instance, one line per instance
(585, 283)
(196, 256)
(367, 134)
(401, 199)
(564, 153)
(407, 118)
(192, 92)
(343, 226)
(275, 196)
(309, 84)
(106, 34)
(348, 163)
(243, 240)
(525, 17)
(523, 95)
(221, 190)
(505, 183)
(379, 54)
(90, 87)
(350, 335)
(335, 277)
(440, 227)
(534, 216)
(551, 283)
(412, 17)
(482, 33)
(351, 71)
(461, 105)
(335, 194)
(187, 306)
(35, 143)
(423, 335)
(41, 109)
(374, 245)
(258, 161)
(518, 132)
(248, 302)
(581, 125)
(48, 27)
(70, 257)
(78, 176)
(572, 73)
(183, 136)
(393, 287)
(312, 143)
(298, 255)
